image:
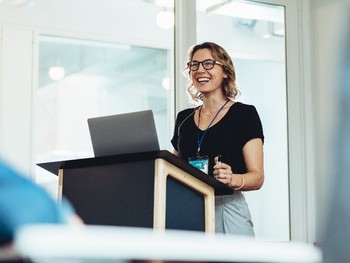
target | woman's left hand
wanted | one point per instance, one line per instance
(222, 172)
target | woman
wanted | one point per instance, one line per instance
(221, 136)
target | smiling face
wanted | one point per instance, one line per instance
(207, 81)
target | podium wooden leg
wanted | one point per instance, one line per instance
(163, 169)
(159, 210)
(60, 186)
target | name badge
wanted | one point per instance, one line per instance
(201, 163)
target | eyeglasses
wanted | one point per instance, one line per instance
(207, 64)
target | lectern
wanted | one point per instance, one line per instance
(149, 189)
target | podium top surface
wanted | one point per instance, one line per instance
(54, 167)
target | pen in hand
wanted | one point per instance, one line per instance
(218, 158)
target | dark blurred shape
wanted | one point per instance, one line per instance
(336, 240)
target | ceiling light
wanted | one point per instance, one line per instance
(166, 3)
(246, 10)
(165, 19)
(27, 3)
(56, 73)
(166, 83)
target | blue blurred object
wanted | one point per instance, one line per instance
(22, 202)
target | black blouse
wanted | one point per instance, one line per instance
(227, 137)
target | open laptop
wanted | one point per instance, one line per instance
(123, 133)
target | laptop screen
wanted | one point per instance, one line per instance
(123, 133)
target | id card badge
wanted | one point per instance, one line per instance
(200, 162)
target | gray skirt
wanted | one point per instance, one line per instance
(232, 215)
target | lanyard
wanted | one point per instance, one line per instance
(200, 140)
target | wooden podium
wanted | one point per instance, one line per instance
(150, 189)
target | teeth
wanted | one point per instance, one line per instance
(203, 80)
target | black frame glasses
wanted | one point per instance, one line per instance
(206, 64)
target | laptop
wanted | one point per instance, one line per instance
(123, 133)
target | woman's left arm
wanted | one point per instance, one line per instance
(253, 179)
(254, 160)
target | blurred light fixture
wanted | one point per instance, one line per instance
(56, 73)
(166, 3)
(26, 3)
(165, 19)
(166, 83)
(247, 10)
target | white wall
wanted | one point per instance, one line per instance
(329, 28)
(15, 96)
(101, 19)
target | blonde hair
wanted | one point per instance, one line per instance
(229, 85)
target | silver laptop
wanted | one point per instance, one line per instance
(123, 133)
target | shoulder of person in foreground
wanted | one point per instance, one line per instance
(23, 202)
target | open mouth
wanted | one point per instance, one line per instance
(203, 80)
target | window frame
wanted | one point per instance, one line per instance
(299, 109)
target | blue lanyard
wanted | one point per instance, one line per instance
(200, 140)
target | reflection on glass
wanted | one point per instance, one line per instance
(253, 33)
(99, 79)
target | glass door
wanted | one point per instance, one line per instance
(253, 34)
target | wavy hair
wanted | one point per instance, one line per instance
(229, 85)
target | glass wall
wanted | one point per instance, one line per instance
(82, 79)
(85, 77)
(253, 34)
(117, 66)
